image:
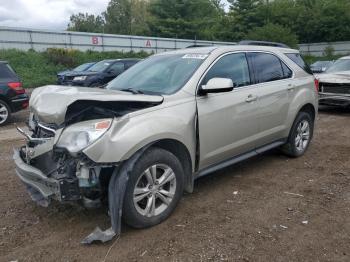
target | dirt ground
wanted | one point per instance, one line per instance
(243, 213)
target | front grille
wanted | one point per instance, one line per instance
(335, 88)
(42, 130)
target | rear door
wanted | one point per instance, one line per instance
(274, 82)
(227, 121)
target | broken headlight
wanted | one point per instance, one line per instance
(79, 136)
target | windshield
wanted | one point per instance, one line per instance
(100, 66)
(340, 65)
(83, 67)
(162, 74)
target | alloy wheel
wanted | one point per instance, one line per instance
(154, 190)
(302, 135)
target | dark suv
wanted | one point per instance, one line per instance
(12, 96)
(100, 73)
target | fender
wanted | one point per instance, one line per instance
(128, 135)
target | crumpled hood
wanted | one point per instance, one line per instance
(338, 78)
(49, 103)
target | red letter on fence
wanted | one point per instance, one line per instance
(94, 40)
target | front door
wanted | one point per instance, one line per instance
(227, 121)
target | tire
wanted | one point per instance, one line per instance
(300, 135)
(145, 188)
(5, 113)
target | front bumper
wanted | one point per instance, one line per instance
(45, 187)
(334, 99)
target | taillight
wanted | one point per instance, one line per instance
(317, 84)
(17, 86)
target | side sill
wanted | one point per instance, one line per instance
(239, 158)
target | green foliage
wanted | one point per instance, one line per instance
(126, 17)
(40, 68)
(309, 20)
(184, 18)
(275, 33)
(245, 16)
(86, 23)
(329, 52)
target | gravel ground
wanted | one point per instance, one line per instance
(269, 208)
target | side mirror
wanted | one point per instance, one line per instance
(218, 85)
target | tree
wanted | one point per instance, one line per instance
(245, 16)
(127, 17)
(86, 23)
(184, 18)
(118, 17)
(274, 33)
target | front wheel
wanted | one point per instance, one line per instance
(300, 135)
(154, 189)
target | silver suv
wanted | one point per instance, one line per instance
(174, 117)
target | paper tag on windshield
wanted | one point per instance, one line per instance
(195, 56)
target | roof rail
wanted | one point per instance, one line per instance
(262, 43)
(196, 45)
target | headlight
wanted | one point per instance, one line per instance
(79, 136)
(79, 78)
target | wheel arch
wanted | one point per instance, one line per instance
(308, 108)
(182, 153)
(5, 99)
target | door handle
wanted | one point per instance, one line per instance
(291, 87)
(251, 98)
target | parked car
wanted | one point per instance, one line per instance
(321, 66)
(165, 122)
(61, 75)
(100, 73)
(13, 97)
(335, 84)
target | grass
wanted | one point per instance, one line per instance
(40, 68)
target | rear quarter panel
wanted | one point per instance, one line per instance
(304, 93)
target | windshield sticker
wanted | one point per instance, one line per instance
(195, 56)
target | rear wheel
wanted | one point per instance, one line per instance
(300, 135)
(5, 113)
(154, 189)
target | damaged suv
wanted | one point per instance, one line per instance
(174, 117)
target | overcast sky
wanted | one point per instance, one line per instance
(46, 14)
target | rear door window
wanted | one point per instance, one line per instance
(296, 58)
(117, 68)
(267, 67)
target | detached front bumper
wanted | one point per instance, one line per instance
(43, 188)
(334, 99)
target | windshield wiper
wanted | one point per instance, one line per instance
(131, 90)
